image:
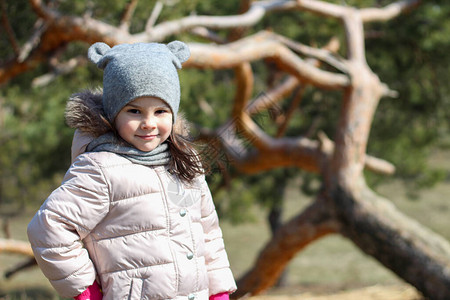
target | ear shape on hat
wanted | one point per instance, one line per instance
(96, 52)
(180, 50)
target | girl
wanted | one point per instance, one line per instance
(133, 218)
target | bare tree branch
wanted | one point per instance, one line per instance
(388, 12)
(323, 55)
(353, 20)
(63, 29)
(31, 262)
(238, 32)
(208, 35)
(281, 91)
(164, 29)
(313, 223)
(127, 15)
(367, 14)
(260, 46)
(154, 15)
(298, 96)
(301, 152)
(14, 246)
(244, 88)
(378, 165)
(70, 28)
(59, 69)
(39, 28)
(254, 14)
(44, 11)
(267, 99)
(8, 29)
(322, 8)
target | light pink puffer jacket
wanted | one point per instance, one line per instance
(142, 232)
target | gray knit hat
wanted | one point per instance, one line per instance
(136, 70)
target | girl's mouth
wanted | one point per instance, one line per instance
(147, 137)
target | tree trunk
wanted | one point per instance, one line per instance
(414, 253)
(313, 223)
(275, 222)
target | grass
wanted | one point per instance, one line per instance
(331, 263)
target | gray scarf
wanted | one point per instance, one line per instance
(110, 143)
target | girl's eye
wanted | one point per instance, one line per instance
(161, 111)
(133, 111)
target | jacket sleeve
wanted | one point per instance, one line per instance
(219, 273)
(66, 217)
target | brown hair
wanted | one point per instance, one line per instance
(185, 162)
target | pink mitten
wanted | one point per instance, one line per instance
(91, 293)
(221, 296)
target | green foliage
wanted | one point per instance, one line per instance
(35, 141)
(410, 53)
(31, 145)
(17, 10)
(206, 96)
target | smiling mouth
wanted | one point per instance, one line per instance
(147, 137)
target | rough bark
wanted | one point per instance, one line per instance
(414, 253)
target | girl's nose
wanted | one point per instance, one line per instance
(148, 123)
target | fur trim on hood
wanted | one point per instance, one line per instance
(84, 111)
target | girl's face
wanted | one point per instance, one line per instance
(145, 123)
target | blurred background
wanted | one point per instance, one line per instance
(409, 53)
